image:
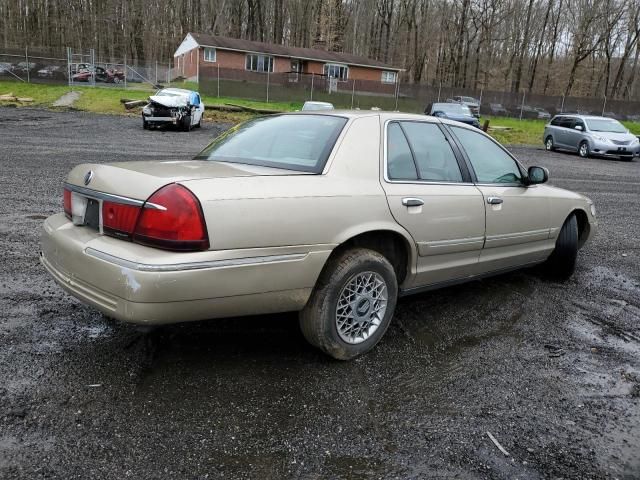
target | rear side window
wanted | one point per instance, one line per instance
(432, 153)
(400, 164)
(490, 162)
(293, 142)
(557, 121)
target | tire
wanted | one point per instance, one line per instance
(186, 123)
(562, 262)
(320, 318)
(583, 149)
(145, 124)
(548, 144)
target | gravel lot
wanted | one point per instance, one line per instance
(551, 370)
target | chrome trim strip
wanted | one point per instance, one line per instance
(179, 267)
(513, 236)
(96, 195)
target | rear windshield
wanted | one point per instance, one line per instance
(294, 142)
(451, 108)
(605, 125)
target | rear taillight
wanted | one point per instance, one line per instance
(67, 203)
(172, 219)
(119, 219)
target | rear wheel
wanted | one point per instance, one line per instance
(562, 262)
(548, 144)
(351, 305)
(583, 149)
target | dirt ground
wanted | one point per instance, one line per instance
(551, 370)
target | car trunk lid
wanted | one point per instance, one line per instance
(138, 180)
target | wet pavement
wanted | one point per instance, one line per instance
(551, 370)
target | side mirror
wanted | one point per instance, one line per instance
(579, 127)
(536, 175)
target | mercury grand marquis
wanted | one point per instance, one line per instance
(331, 214)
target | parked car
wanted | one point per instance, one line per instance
(452, 111)
(331, 214)
(5, 67)
(24, 67)
(472, 103)
(173, 106)
(109, 75)
(542, 113)
(52, 71)
(498, 109)
(591, 135)
(82, 76)
(311, 106)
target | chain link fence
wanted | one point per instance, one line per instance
(78, 67)
(74, 67)
(295, 87)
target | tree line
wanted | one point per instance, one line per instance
(553, 47)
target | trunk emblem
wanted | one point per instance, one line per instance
(88, 177)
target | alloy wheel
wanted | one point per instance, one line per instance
(362, 304)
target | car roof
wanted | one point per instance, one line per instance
(583, 117)
(384, 116)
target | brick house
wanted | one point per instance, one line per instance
(201, 52)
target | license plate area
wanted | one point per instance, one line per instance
(85, 211)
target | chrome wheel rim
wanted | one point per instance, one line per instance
(362, 304)
(583, 150)
(549, 144)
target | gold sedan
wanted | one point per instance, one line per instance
(332, 214)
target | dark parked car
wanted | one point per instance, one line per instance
(109, 75)
(452, 111)
(530, 112)
(498, 109)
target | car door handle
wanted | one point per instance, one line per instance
(494, 200)
(412, 202)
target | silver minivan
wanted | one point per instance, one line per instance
(590, 135)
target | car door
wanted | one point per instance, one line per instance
(574, 136)
(517, 216)
(430, 194)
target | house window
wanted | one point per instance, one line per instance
(333, 70)
(259, 63)
(209, 54)
(389, 77)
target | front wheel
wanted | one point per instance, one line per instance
(583, 149)
(145, 124)
(186, 123)
(548, 144)
(562, 262)
(352, 304)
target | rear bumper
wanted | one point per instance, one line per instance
(142, 285)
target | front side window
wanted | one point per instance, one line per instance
(427, 147)
(293, 142)
(332, 70)
(389, 77)
(259, 63)
(490, 162)
(209, 54)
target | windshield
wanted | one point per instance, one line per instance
(469, 99)
(454, 108)
(294, 142)
(605, 125)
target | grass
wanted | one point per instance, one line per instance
(107, 100)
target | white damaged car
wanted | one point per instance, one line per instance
(173, 106)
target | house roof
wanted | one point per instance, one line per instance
(227, 43)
